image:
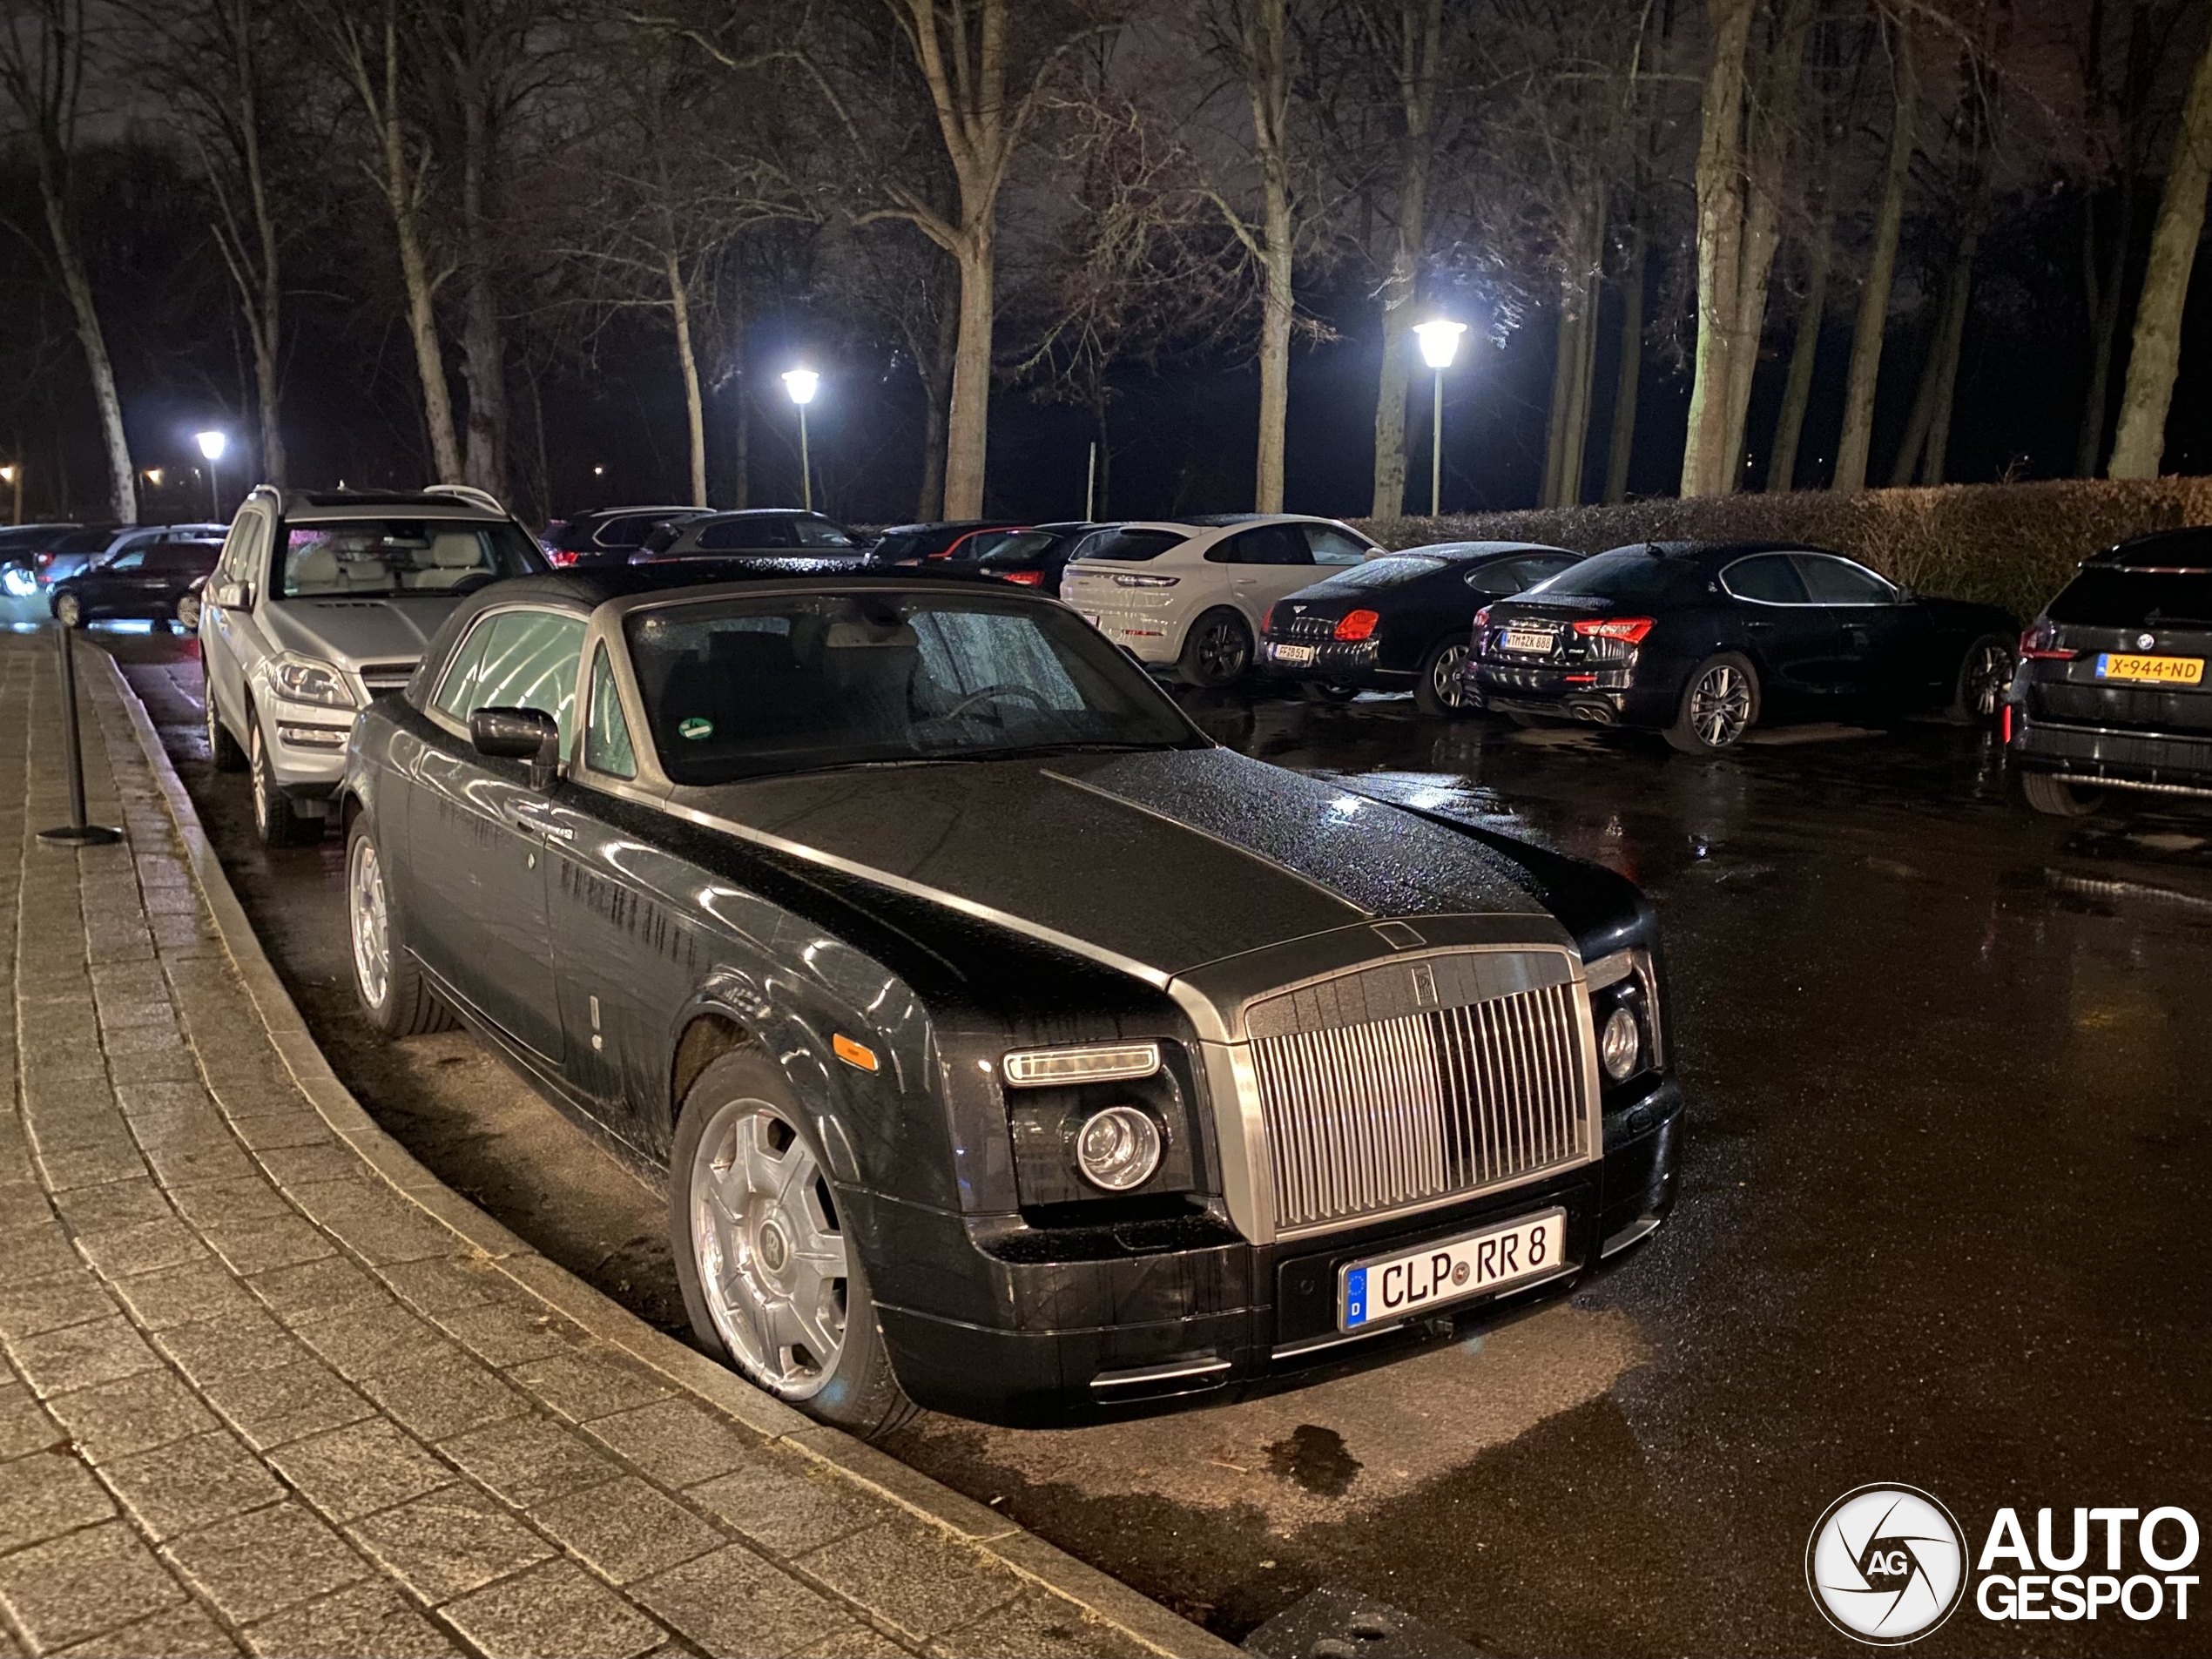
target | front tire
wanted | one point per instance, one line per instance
(1719, 704)
(222, 748)
(188, 613)
(274, 820)
(69, 611)
(1983, 674)
(770, 1278)
(1437, 692)
(387, 979)
(2054, 798)
(1216, 651)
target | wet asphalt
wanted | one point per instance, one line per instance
(1942, 1212)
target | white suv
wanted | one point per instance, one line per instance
(321, 601)
(1194, 594)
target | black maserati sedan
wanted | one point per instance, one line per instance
(1401, 621)
(1702, 640)
(1008, 1048)
(2111, 693)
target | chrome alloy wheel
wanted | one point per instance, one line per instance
(371, 922)
(1720, 706)
(770, 1253)
(1989, 670)
(68, 611)
(1444, 677)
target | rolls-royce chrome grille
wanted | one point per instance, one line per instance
(1383, 1114)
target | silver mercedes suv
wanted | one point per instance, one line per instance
(322, 600)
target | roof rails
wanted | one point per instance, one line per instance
(469, 493)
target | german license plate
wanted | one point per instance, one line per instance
(2155, 671)
(1293, 653)
(1388, 1288)
(1521, 639)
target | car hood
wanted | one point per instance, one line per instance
(351, 631)
(1160, 861)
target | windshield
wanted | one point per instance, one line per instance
(2109, 598)
(1133, 545)
(1626, 573)
(377, 557)
(748, 688)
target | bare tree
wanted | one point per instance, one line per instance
(43, 47)
(1874, 297)
(2153, 358)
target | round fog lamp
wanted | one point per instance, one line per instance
(1119, 1149)
(1618, 1043)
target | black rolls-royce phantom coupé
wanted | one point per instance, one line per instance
(1010, 1049)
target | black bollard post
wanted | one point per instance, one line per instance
(77, 831)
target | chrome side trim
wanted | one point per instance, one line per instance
(2124, 783)
(2139, 732)
(1174, 1371)
(1641, 1228)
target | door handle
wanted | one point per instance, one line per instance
(527, 815)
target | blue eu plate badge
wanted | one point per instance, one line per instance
(1355, 1298)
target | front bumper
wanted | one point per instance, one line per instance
(2116, 757)
(978, 1326)
(306, 747)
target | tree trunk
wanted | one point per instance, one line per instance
(1921, 454)
(937, 388)
(123, 495)
(741, 448)
(483, 349)
(1874, 301)
(2153, 358)
(1567, 354)
(1797, 391)
(1762, 235)
(967, 411)
(1419, 67)
(1627, 382)
(1720, 233)
(261, 294)
(1274, 349)
(679, 308)
(1567, 436)
(2102, 293)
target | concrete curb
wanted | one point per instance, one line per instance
(967, 1521)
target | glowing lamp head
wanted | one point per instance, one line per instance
(8, 473)
(1439, 342)
(801, 384)
(212, 444)
(153, 476)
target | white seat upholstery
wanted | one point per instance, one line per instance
(454, 555)
(316, 571)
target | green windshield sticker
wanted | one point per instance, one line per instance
(695, 728)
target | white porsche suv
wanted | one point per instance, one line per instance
(1194, 594)
(322, 600)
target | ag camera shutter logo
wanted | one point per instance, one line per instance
(1886, 1564)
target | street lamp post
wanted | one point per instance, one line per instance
(1439, 345)
(212, 445)
(801, 384)
(11, 474)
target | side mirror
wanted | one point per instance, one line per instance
(228, 594)
(519, 734)
(1905, 596)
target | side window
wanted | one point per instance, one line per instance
(1838, 582)
(242, 548)
(1267, 544)
(1769, 579)
(624, 532)
(526, 659)
(606, 733)
(1542, 568)
(1332, 546)
(130, 561)
(741, 534)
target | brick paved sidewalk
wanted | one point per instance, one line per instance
(267, 1387)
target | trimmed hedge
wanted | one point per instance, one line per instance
(2009, 544)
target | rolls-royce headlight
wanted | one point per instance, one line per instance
(1619, 1044)
(1119, 1149)
(304, 679)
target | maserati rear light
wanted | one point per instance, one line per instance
(2007, 738)
(1629, 631)
(1357, 625)
(562, 557)
(1482, 618)
(2039, 644)
(1027, 578)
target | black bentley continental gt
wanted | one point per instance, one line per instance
(1009, 1048)
(1704, 640)
(1401, 621)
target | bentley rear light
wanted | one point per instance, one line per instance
(1027, 578)
(1095, 1063)
(1267, 621)
(2040, 644)
(2007, 738)
(1357, 625)
(1629, 631)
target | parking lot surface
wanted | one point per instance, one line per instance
(1940, 1218)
